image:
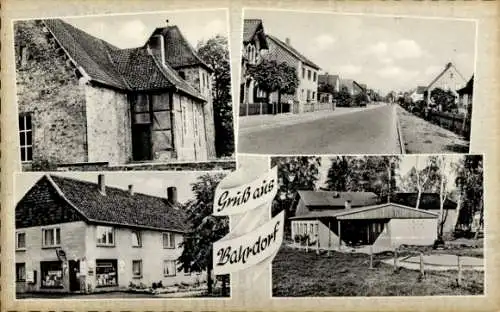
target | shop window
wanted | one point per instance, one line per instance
(52, 274)
(20, 272)
(137, 268)
(168, 240)
(20, 241)
(169, 268)
(105, 236)
(51, 237)
(26, 137)
(136, 239)
(106, 273)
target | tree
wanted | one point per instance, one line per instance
(215, 53)
(421, 180)
(469, 181)
(343, 98)
(272, 76)
(205, 229)
(364, 174)
(444, 99)
(294, 173)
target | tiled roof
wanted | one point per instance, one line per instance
(126, 69)
(178, 51)
(337, 199)
(253, 28)
(293, 51)
(88, 52)
(249, 28)
(329, 79)
(119, 207)
(142, 71)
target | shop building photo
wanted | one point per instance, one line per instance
(87, 235)
(108, 91)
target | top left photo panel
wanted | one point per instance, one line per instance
(125, 92)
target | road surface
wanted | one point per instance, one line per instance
(372, 131)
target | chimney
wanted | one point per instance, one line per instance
(101, 183)
(172, 195)
(287, 41)
(131, 189)
(347, 204)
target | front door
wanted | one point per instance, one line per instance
(74, 269)
(141, 142)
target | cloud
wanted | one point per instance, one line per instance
(387, 52)
(406, 49)
(323, 42)
(349, 69)
(396, 72)
(134, 31)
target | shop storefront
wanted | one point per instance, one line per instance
(51, 275)
(106, 273)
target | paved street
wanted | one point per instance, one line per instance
(371, 130)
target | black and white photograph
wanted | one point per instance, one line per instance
(388, 225)
(355, 84)
(125, 92)
(117, 235)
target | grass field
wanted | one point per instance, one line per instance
(299, 274)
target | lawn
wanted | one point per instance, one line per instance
(299, 274)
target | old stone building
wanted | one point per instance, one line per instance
(83, 100)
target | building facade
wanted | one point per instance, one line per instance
(333, 220)
(306, 94)
(254, 47)
(83, 100)
(77, 236)
(449, 79)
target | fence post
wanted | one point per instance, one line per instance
(395, 259)
(371, 257)
(422, 269)
(459, 279)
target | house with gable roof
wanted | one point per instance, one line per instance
(307, 71)
(79, 236)
(83, 100)
(254, 47)
(449, 79)
(333, 220)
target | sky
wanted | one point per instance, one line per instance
(129, 31)
(387, 53)
(150, 183)
(407, 162)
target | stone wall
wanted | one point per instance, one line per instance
(48, 90)
(108, 126)
(171, 166)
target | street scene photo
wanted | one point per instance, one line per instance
(122, 92)
(354, 84)
(398, 225)
(117, 235)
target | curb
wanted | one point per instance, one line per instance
(400, 134)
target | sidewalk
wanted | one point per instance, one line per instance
(252, 123)
(421, 136)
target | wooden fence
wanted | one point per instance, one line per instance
(454, 122)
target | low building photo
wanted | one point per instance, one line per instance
(390, 225)
(96, 235)
(123, 91)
